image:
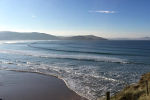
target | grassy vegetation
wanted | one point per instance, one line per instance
(136, 91)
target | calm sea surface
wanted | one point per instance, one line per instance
(90, 68)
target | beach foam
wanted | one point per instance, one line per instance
(88, 74)
(84, 80)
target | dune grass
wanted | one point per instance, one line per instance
(136, 91)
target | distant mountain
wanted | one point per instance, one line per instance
(85, 37)
(7, 35)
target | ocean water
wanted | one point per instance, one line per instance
(90, 68)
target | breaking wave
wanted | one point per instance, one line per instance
(82, 57)
(84, 80)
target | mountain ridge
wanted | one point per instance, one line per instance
(9, 35)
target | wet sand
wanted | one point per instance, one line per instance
(33, 86)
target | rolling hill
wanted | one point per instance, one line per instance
(8, 35)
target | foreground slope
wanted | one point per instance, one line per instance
(136, 91)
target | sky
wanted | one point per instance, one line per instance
(105, 18)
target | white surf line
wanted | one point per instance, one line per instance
(38, 72)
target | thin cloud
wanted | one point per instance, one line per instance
(33, 16)
(104, 11)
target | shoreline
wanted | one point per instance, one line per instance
(49, 76)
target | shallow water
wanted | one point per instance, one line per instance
(90, 68)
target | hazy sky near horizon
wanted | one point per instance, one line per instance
(106, 18)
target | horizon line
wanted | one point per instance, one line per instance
(28, 32)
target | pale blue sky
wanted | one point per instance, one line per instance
(106, 18)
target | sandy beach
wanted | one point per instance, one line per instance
(33, 86)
